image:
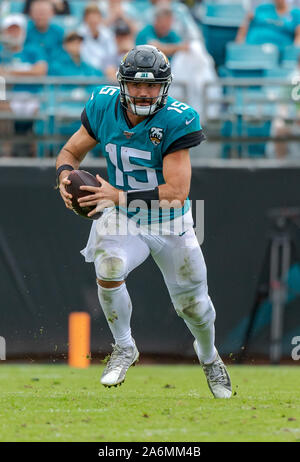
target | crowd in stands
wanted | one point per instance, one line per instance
(107, 29)
(81, 38)
(277, 23)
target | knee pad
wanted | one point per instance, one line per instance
(194, 307)
(110, 267)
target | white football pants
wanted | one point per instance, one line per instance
(183, 267)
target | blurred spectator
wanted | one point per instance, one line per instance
(19, 60)
(124, 39)
(192, 66)
(130, 10)
(60, 6)
(99, 47)
(125, 42)
(183, 22)
(69, 61)
(40, 31)
(16, 58)
(161, 34)
(193, 69)
(276, 22)
(116, 10)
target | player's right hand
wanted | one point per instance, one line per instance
(63, 181)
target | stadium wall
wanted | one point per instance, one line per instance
(44, 277)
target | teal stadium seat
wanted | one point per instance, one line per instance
(67, 104)
(220, 24)
(243, 60)
(253, 130)
(224, 14)
(251, 57)
(290, 56)
(277, 73)
(252, 108)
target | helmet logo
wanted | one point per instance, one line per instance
(156, 135)
(144, 75)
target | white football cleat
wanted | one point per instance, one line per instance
(120, 361)
(217, 376)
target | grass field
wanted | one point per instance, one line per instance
(156, 403)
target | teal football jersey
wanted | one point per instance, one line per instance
(135, 155)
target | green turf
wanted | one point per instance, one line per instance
(156, 403)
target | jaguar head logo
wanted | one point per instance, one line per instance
(156, 135)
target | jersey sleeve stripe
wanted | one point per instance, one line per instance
(116, 107)
(86, 123)
(185, 142)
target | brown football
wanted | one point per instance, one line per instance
(82, 178)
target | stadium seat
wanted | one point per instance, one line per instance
(65, 105)
(220, 23)
(290, 56)
(251, 57)
(249, 129)
(216, 38)
(224, 72)
(220, 14)
(277, 73)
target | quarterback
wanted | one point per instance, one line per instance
(145, 136)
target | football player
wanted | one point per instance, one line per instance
(145, 136)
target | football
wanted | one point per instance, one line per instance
(81, 178)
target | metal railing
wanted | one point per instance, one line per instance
(240, 102)
(251, 99)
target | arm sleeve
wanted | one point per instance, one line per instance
(86, 123)
(175, 38)
(40, 55)
(91, 115)
(184, 130)
(145, 35)
(186, 141)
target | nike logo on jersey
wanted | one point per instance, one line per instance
(187, 122)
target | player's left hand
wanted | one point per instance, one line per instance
(103, 196)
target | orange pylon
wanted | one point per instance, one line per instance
(79, 339)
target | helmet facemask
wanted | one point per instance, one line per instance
(144, 64)
(156, 103)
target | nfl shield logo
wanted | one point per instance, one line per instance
(128, 134)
